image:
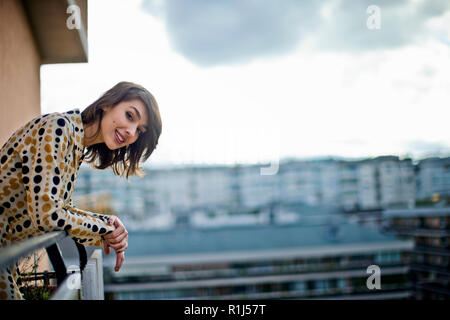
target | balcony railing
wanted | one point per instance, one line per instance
(85, 283)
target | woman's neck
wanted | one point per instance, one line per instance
(92, 134)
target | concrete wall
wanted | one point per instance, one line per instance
(19, 84)
(19, 69)
(24, 23)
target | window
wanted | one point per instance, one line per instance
(443, 223)
(299, 286)
(341, 283)
(311, 285)
(322, 285)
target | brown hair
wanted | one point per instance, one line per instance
(125, 160)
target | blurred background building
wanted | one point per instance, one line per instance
(429, 228)
(230, 232)
(166, 196)
(322, 255)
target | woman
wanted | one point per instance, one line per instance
(39, 164)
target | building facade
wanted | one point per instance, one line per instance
(433, 178)
(319, 258)
(429, 228)
(384, 182)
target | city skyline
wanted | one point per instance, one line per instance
(300, 81)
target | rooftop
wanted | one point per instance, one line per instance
(325, 232)
(417, 212)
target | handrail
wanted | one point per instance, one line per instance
(10, 255)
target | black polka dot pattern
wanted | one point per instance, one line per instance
(38, 170)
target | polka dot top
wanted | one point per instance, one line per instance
(39, 164)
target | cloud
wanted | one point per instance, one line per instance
(234, 31)
(400, 23)
(426, 148)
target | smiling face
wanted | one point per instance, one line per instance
(121, 125)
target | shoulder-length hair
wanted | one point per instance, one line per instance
(125, 160)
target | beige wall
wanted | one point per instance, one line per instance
(19, 79)
(19, 69)
(20, 62)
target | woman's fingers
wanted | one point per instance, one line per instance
(122, 249)
(120, 257)
(120, 228)
(119, 246)
(115, 221)
(118, 239)
(106, 247)
(112, 219)
(117, 235)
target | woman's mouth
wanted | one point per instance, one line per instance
(119, 138)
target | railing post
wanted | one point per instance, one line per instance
(92, 278)
(82, 255)
(57, 262)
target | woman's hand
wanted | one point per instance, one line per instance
(118, 240)
(120, 256)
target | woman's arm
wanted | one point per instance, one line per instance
(118, 240)
(48, 165)
(101, 216)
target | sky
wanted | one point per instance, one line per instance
(246, 81)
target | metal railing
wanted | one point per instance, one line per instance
(12, 254)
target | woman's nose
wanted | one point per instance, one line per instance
(131, 131)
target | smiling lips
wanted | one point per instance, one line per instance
(119, 138)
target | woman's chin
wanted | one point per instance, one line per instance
(112, 146)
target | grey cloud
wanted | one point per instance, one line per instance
(209, 32)
(431, 8)
(425, 147)
(234, 31)
(401, 23)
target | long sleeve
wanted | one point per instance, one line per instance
(103, 217)
(48, 172)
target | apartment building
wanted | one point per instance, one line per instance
(383, 182)
(429, 228)
(433, 178)
(321, 257)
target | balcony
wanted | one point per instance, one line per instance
(418, 232)
(83, 283)
(433, 287)
(430, 268)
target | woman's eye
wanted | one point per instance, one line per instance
(129, 116)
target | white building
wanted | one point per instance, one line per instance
(397, 183)
(383, 182)
(433, 177)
